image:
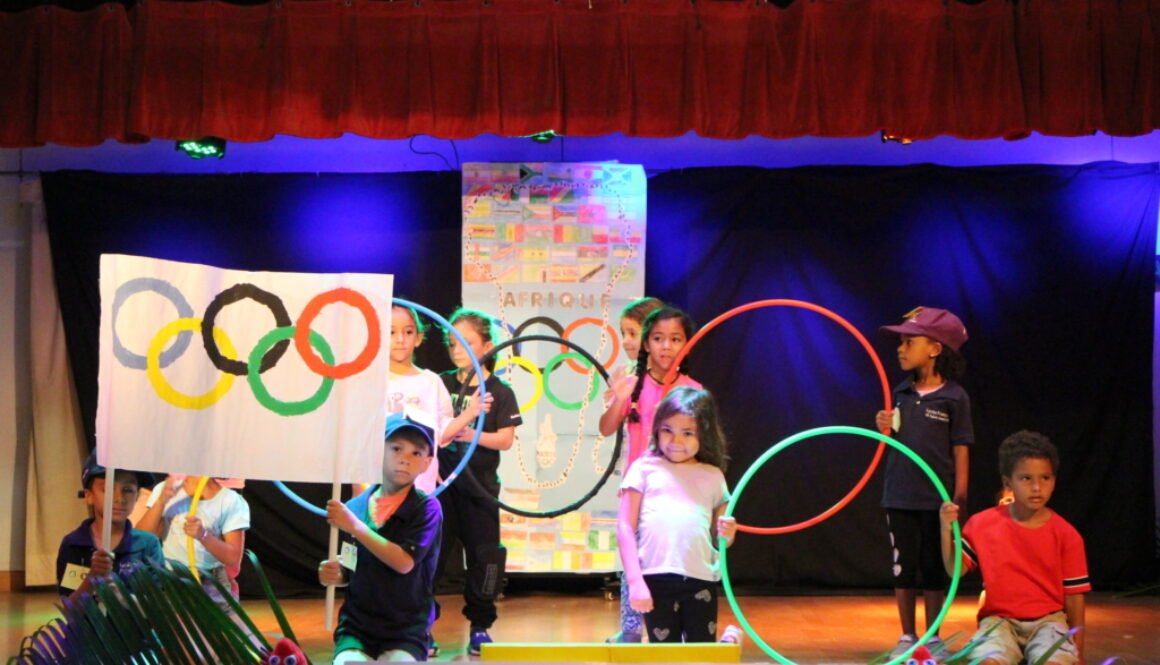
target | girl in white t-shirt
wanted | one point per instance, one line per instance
(672, 502)
(413, 389)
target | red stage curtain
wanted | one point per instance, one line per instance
(457, 68)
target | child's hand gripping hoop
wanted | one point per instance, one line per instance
(822, 431)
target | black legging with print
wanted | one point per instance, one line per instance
(684, 609)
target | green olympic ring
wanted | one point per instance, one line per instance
(542, 385)
(932, 630)
(215, 341)
(254, 376)
(567, 406)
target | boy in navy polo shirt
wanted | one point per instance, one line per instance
(932, 416)
(391, 537)
(79, 560)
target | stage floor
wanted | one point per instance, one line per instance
(805, 629)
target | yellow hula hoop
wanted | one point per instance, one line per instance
(189, 539)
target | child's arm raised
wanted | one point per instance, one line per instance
(226, 547)
(1073, 606)
(614, 414)
(638, 594)
(153, 519)
(463, 425)
(389, 553)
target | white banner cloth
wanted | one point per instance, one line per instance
(175, 400)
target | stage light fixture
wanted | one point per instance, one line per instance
(894, 138)
(542, 137)
(207, 146)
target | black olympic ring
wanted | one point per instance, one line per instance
(229, 296)
(478, 489)
(548, 321)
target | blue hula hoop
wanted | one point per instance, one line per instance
(310, 507)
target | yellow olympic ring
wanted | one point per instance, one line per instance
(535, 371)
(161, 384)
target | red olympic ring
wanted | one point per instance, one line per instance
(596, 322)
(313, 308)
(886, 394)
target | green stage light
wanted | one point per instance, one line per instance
(542, 137)
(208, 146)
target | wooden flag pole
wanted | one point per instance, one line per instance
(332, 549)
(107, 522)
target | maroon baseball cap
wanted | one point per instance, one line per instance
(937, 324)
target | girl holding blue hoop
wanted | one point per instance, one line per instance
(672, 505)
(471, 519)
(412, 388)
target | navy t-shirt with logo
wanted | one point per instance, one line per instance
(931, 425)
(137, 548)
(504, 412)
(384, 606)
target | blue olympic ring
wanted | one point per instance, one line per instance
(166, 290)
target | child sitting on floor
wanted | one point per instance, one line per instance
(391, 545)
(1032, 561)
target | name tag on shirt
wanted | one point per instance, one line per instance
(74, 576)
(348, 556)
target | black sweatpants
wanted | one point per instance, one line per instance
(684, 609)
(474, 522)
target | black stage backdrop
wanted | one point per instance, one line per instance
(1051, 268)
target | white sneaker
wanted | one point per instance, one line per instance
(733, 635)
(904, 643)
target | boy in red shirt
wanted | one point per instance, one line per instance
(1032, 561)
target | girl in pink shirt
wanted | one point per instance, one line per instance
(634, 398)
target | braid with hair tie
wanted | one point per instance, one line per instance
(641, 370)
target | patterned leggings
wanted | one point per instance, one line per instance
(684, 609)
(631, 621)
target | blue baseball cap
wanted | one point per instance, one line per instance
(396, 422)
(93, 470)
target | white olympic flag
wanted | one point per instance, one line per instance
(227, 373)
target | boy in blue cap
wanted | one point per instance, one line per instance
(79, 560)
(391, 537)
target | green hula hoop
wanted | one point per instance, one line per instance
(821, 431)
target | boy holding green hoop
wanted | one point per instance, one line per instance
(1032, 561)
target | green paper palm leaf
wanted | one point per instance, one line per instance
(151, 616)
